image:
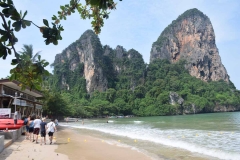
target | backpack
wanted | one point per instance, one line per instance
(25, 121)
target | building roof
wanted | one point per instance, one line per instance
(15, 85)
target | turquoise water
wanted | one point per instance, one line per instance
(200, 136)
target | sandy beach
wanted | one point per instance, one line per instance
(69, 145)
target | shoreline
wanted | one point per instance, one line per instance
(88, 147)
(152, 150)
(68, 144)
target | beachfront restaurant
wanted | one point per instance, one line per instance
(12, 98)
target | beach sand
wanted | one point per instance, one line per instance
(68, 144)
(84, 147)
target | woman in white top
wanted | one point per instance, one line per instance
(51, 127)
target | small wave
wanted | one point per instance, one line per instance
(161, 122)
(134, 132)
(137, 121)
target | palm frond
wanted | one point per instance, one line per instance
(34, 58)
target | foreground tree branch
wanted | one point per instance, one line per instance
(14, 21)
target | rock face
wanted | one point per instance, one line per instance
(175, 98)
(123, 64)
(102, 65)
(191, 37)
(87, 50)
(221, 108)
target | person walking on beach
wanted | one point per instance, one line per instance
(56, 122)
(52, 128)
(26, 121)
(43, 126)
(16, 117)
(31, 128)
(37, 123)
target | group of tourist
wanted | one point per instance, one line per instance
(35, 125)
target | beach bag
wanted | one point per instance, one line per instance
(25, 121)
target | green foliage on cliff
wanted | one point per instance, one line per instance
(168, 30)
(190, 13)
(140, 90)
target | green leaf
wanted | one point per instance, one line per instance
(10, 2)
(62, 7)
(14, 14)
(94, 2)
(38, 87)
(9, 23)
(17, 25)
(9, 51)
(25, 13)
(2, 32)
(23, 25)
(45, 22)
(4, 38)
(55, 42)
(54, 17)
(46, 73)
(39, 57)
(5, 54)
(6, 12)
(27, 23)
(46, 64)
(14, 62)
(4, 5)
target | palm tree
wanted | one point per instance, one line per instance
(28, 50)
(30, 70)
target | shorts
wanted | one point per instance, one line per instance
(27, 128)
(50, 133)
(31, 129)
(36, 131)
(43, 133)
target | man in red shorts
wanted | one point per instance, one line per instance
(37, 123)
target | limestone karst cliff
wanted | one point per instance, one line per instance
(87, 50)
(191, 37)
(121, 82)
(101, 64)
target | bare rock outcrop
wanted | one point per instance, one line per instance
(191, 37)
(87, 50)
(175, 98)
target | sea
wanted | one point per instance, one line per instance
(199, 136)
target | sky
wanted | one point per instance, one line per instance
(134, 24)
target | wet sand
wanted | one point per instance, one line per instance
(68, 144)
(84, 147)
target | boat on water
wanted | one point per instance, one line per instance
(9, 124)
